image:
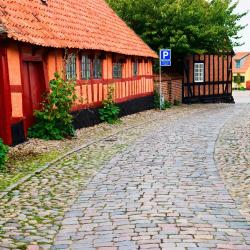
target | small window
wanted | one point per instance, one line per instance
(135, 68)
(71, 67)
(117, 70)
(238, 64)
(85, 67)
(199, 72)
(239, 78)
(97, 68)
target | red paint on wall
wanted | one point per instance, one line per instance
(248, 85)
(37, 65)
(34, 87)
(5, 99)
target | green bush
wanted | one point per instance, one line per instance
(3, 155)
(110, 111)
(176, 102)
(54, 121)
(242, 88)
(165, 105)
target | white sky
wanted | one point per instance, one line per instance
(244, 5)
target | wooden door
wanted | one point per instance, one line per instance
(34, 88)
(5, 99)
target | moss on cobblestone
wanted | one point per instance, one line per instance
(67, 175)
(21, 167)
(34, 212)
(28, 157)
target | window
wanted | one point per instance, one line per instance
(199, 72)
(238, 64)
(86, 67)
(135, 68)
(97, 68)
(241, 78)
(91, 68)
(117, 70)
(71, 67)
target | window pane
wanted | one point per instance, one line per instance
(199, 72)
(238, 64)
(97, 68)
(242, 79)
(71, 67)
(117, 70)
(85, 67)
(135, 68)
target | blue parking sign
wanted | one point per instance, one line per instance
(165, 57)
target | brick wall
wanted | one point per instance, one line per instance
(171, 88)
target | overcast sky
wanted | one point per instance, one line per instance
(244, 5)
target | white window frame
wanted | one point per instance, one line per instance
(199, 72)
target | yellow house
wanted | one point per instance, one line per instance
(241, 67)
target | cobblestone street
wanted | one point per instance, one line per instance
(167, 184)
(164, 192)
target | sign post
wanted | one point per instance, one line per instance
(165, 61)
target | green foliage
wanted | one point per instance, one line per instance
(176, 102)
(238, 80)
(110, 111)
(165, 105)
(242, 88)
(3, 155)
(185, 26)
(54, 121)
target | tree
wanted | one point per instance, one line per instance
(185, 26)
(238, 80)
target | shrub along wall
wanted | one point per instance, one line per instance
(89, 117)
(3, 155)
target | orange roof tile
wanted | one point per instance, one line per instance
(246, 64)
(83, 24)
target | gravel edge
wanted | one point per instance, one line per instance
(48, 165)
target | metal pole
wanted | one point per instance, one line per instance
(160, 90)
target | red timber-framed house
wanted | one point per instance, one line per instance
(208, 78)
(199, 78)
(35, 38)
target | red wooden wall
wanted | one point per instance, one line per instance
(28, 69)
(5, 102)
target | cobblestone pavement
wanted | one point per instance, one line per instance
(32, 213)
(163, 192)
(241, 96)
(158, 188)
(233, 158)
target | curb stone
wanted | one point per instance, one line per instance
(47, 165)
(10, 188)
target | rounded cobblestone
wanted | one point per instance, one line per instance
(232, 157)
(33, 212)
(152, 187)
(163, 192)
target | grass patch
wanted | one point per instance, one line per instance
(19, 167)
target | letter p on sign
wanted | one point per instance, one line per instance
(165, 57)
(165, 54)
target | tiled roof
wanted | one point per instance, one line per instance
(246, 64)
(83, 24)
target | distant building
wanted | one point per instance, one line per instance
(241, 68)
(199, 78)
